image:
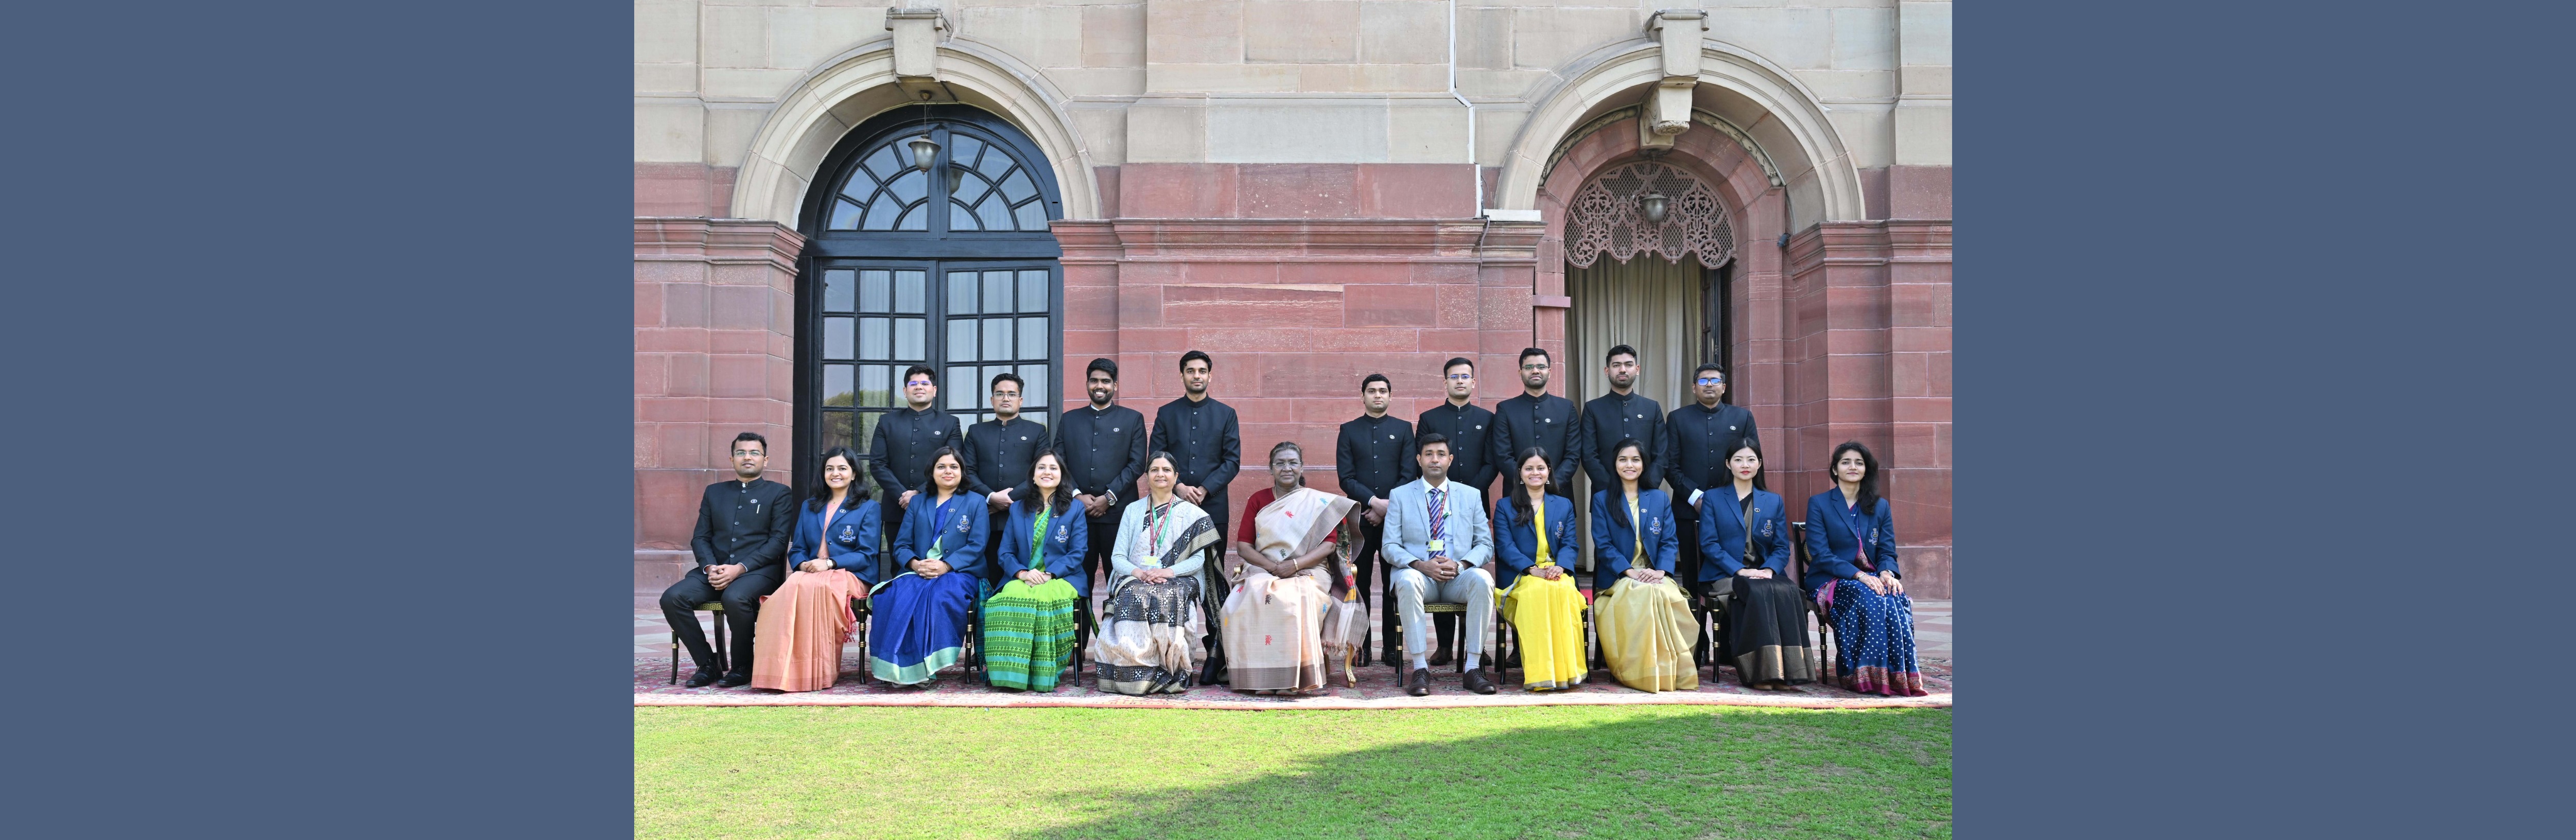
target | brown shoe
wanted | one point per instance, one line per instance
(1439, 656)
(1419, 685)
(1479, 682)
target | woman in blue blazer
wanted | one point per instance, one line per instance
(1851, 571)
(797, 639)
(1532, 528)
(1643, 616)
(920, 615)
(1028, 625)
(1744, 538)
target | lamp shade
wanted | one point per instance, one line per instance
(925, 152)
(1654, 205)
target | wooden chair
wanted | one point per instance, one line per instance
(716, 607)
(1826, 672)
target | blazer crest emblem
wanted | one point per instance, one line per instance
(849, 534)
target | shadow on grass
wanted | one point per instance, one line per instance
(1721, 773)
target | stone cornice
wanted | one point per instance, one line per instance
(717, 241)
(1270, 239)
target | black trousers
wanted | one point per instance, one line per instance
(1686, 565)
(893, 515)
(1095, 559)
(741, 600)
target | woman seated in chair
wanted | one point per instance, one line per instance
(1644, 618)
(1745, 538)
(920, 616)
(797, 642)
(1028, 625)
(1152, 635)
(1851, 573)
(1273, 620)
(1532, 529)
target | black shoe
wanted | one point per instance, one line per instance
(1392, 658)
(703, 677)
(1420, 684)
(734, 680)
(1478, 682)
(1362, 658)
(1440, 656)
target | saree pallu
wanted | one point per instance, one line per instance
(1874, 641)
(1646, 633)
(1028, 634)
(797, 640)
(919, 625)
(1766, 630)
(1547, 616)
(1151, 637)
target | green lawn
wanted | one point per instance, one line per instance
(1543, 772)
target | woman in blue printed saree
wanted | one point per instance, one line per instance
(1152, 631)
(920, 615)
(1851, 573)
(1028, 625)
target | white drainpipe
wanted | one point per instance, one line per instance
(1475, 173)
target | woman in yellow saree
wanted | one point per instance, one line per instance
(1531, 530)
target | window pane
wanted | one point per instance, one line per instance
(1033, 415)
(995, 215)
(909, 344)
(1033, 291)
(859, 187)
(1032, 216)
(845, 216)
(961, 390)
(837, 430)
(1033, 338)
(966, 188)
(961, 292)
(838, 289)
(876, 290)
(836, 338)
(911, 290)
(961, 340)
(863, 428)
(997, 292)
(876, 339)
(994, 164)
(963, 149)
(917, 218)
(997, 339)
(1018, 187)
(960, 218)
(840, 386)
(1035, 393)
(910, 187)
(885, 162)
(876, 388)
(881, 214)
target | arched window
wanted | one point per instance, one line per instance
(951, 266)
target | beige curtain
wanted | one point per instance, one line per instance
(1649, 303)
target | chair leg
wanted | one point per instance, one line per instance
(675, 658)
(723, 659)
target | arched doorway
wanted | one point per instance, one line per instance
(952, 266)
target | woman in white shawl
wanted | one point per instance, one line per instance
(1274, 618)
(1152, 632)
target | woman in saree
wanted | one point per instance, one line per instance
(803, 624)
(920, 615)
(1745, 538)
(1532, 528)
(1028, 625)
(1644, 619)
(1152, 635)
(1851, 572)
(1273, 619)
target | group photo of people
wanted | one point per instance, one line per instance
(986, 544)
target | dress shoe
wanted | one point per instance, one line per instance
(703, 677)
(734, 680)
(1478, 682)
(1419, 684)
(1440, 656)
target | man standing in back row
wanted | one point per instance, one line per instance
(1103, 448)
(1467, 428)
(999, 455)
(899, 451)
(1203, 434)
(1622, 414)
(1538, 418)
(1372, 457)
(1698, 438)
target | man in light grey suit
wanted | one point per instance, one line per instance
(1438, 542)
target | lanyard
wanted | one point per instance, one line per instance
(1851, 519)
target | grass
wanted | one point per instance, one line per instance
(1534, 771)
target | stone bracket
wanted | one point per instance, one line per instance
(1667, 109)
(916, 41)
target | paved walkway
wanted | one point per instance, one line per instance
(1376, 688)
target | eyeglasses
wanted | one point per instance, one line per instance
(1461, 377)
(1712, 380)
(742, 452)
(1006, 395)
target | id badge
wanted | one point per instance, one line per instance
(1437, 546)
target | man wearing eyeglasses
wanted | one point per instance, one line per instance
(1537, 418)
(1698, 438)
(899, 451)
(1000, 456)
(1467, 428)
(741, 548)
